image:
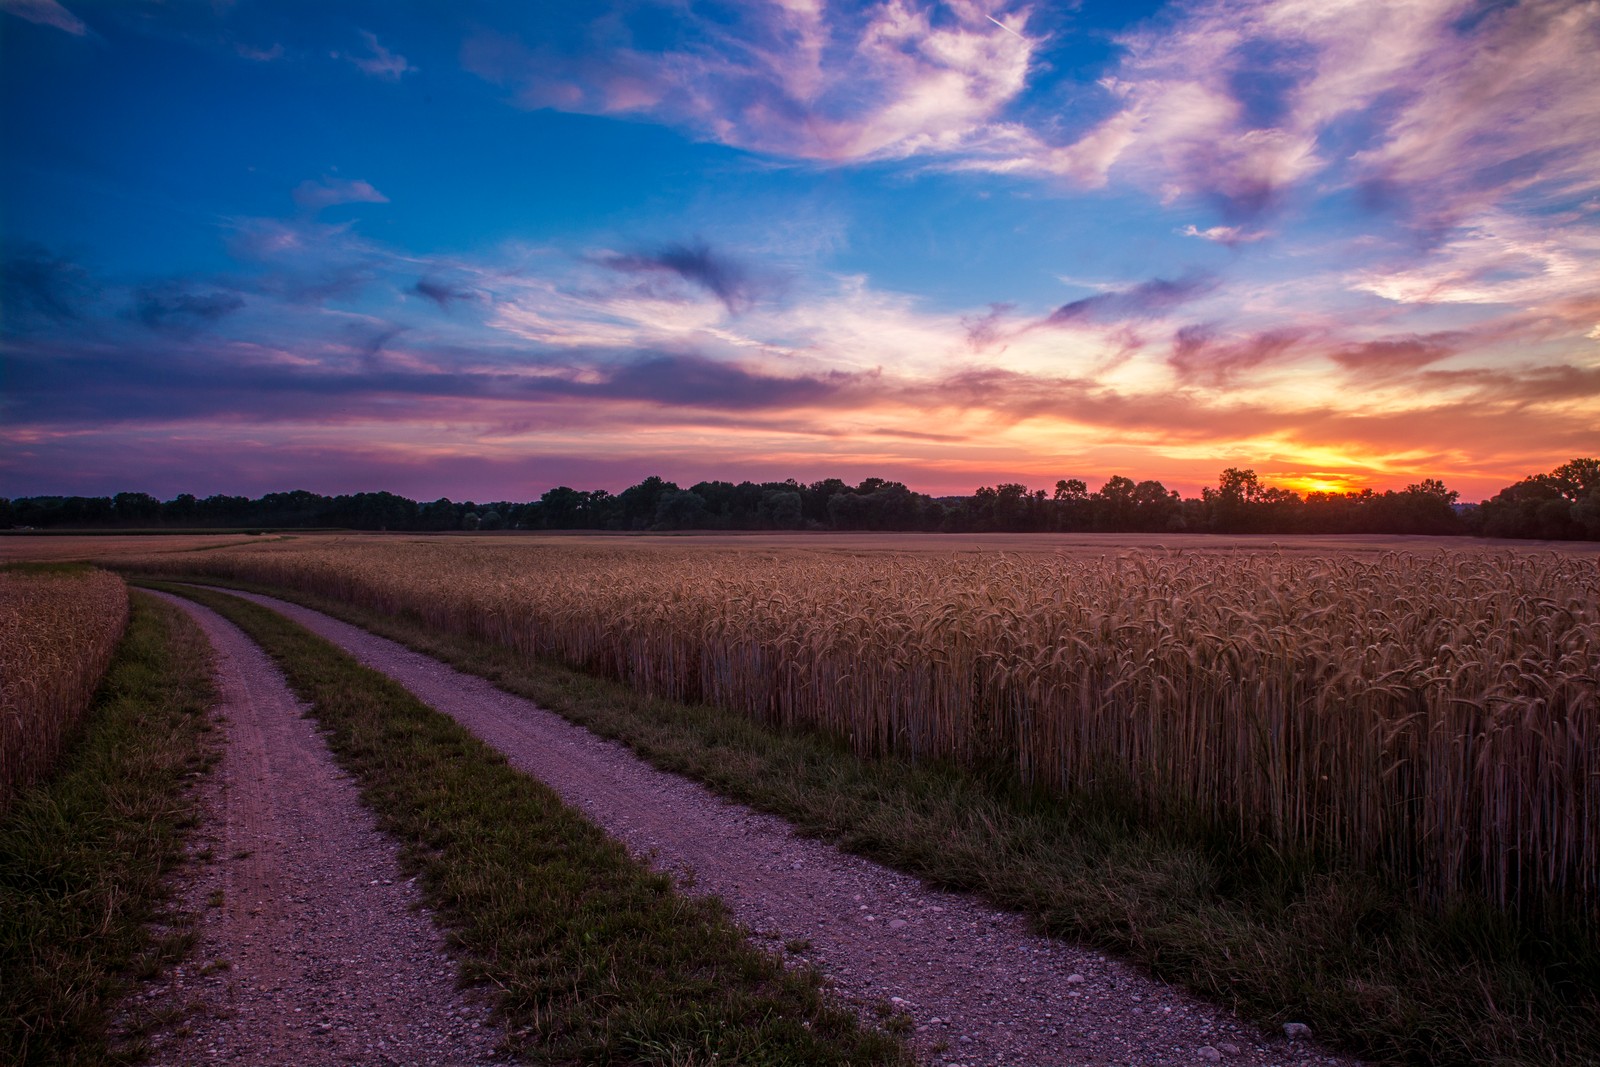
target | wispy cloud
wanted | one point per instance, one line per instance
(45, 13)
(1145, 300)
(260, 55)
(328, 192)
(443, 293)
(175, 306)
(1395, 355)
(1500, 113)
(1498, 258)
(1200, 355)
(1232, 236)
(796, 79)
(729, 280)
(41, 286)
(1439, 107)
(377, 61)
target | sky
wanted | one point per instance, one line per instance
(479, 250)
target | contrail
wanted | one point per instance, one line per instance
(1003, 26)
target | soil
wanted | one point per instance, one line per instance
(978, 986)
(313, 947)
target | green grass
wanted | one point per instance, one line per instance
(598, 959)
(1278, 938)
(83, 855)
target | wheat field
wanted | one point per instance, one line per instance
(58, 631)
(1430, 713)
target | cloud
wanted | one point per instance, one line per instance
(41, 287)
(378, 61)
(696, 382)
(442, 293)
(260, 55)
(45, 13)
(1200, 355)
(173, 306)
(798, 79)
(984, 331)
(329, 192)
(1231, 236)
(1497, 258)
(1395, 355)
(1438, 108)
(361, 375)
(1501, 111)
(725, 278)
(1145, 300)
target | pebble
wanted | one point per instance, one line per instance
(1209, 1054)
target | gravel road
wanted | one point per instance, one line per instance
(978, 985)
(313, 948)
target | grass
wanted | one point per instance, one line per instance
(1280, 938)
(598, 959)
(84, 852)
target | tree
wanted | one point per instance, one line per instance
(562, 508)
(639, 502)
(1072, 510)
(135, 508)
(1114, 504)
(816, 497)
(1561, 505)
(781, 510)
(1155, 509)
(679, 509)
(1232, 504)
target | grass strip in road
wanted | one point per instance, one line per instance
(83, 854)
(1278, 938)
(599, 959)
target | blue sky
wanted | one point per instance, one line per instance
(480, 250)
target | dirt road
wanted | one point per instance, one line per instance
(311, 949)
(980, 988)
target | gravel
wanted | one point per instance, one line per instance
(313, 947)
(977, 986)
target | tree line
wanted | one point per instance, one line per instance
(1563, 504)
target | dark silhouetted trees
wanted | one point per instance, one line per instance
(1562, 504)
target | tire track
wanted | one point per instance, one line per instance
(312, 946)
(979, 986)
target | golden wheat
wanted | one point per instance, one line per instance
(1433, 714)
(57, 634)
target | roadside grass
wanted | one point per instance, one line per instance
(1279, 938)
(597, 958)
(83, 853)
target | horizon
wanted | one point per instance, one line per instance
(483, 252)
(1091, 487)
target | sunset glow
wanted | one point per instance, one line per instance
(484, 250)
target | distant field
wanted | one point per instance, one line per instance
(115, 546)
(36, 546)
